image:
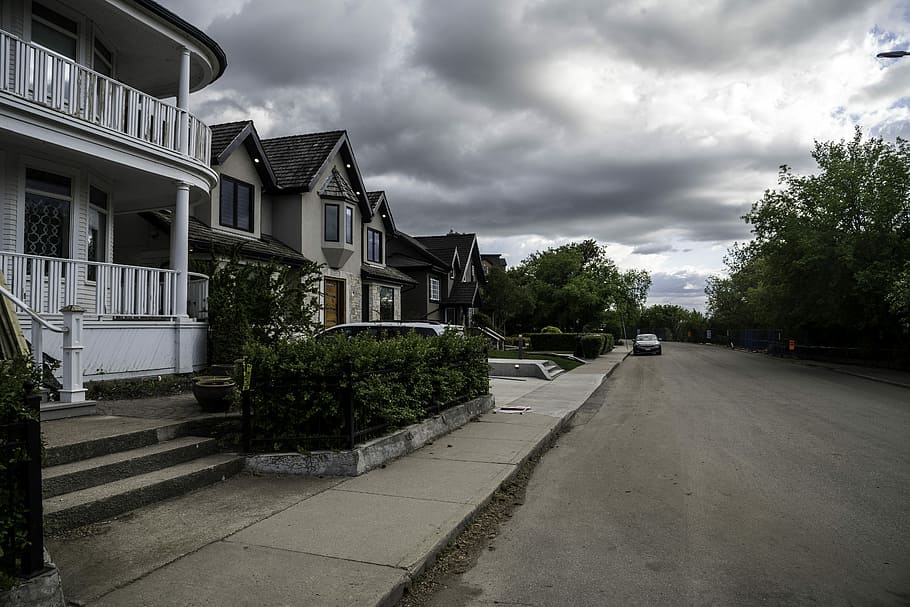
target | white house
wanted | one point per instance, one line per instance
(94, 129)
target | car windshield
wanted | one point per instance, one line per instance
(647, 337)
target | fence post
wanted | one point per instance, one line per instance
(246, 422)
(33, 560)
(73, 390)
(349, 402)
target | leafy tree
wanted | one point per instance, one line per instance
(673, 322)
(574, 286)
(829, 249)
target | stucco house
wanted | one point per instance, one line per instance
(448, 271)
(88, 136)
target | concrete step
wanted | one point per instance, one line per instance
(103, 502)
(115, 440)
(75, 476)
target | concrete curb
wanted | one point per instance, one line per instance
(394, 595)
(371, 454)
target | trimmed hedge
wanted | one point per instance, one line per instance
(295, 389)
(566, 342)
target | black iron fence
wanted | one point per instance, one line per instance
(342, 426)
(20, 474)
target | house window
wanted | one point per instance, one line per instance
(103, 59)
(48, 200)
(386, 303)
(349, 225)
(97, 229)
(374, 245)
(434, 289)
(330, 232)
(54, 32)
(236, 204)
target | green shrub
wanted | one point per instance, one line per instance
(551, 329)
(297, 387)
(591, 345)
(546, 342)
(15, 374)
(608, 343)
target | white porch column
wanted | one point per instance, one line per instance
(180, 246)
(183, 99)
(72, 391)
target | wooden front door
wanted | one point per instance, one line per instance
(334, 302)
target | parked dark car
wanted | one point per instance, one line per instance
(646, 343)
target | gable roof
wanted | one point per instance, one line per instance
(450, 246)
(229, 136)
(462, 294)
(298, 160)
(380, 206)
(336, 186)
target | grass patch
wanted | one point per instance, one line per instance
(565, 363)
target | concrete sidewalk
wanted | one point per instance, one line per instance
(320, 541)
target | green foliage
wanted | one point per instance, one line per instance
(296, 385)
(609, 343)
(829, 250)
(592, 345)
(140, 387)
(573, 286)
(673, 322)
(557, 342)
(551, 329)
(15, 375)
(258, 302)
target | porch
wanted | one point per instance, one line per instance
(127, 324)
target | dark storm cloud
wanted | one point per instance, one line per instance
(640, 123)
(686, 289)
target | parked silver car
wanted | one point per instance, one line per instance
(646, 343)
(389, 328)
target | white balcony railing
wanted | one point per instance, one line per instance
(41, 76)
(47, 284)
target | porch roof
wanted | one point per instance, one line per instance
(385, 274)
(462, 294)
(204, 239)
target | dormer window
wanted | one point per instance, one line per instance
(374, 245)
(237, 199)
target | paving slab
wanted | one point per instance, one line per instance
(104, 556)
(468, 449)
(503, 430)
(363, 527)
(529, 418)
(241, 575)
(507, 390)
(456, 481)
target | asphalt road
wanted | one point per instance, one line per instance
(713, 477)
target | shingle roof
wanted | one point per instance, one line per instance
(375, 198)
(401, 248)
(338, 187)
(462, 294)
(444, 247)
(296, 159)
(385, 273)
(224, 134)
(205, 239)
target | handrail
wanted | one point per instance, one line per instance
(35, 316)
(42, 76)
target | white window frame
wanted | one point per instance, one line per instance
(435, 282)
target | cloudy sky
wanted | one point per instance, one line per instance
(649, 126)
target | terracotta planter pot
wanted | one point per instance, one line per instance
(213, 392)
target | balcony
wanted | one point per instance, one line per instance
(42, 77)
(48, 284)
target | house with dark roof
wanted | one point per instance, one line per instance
(88, 136)
(448, 271)
(289, 200)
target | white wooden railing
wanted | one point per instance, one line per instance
(54, 81)
(47, 284)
